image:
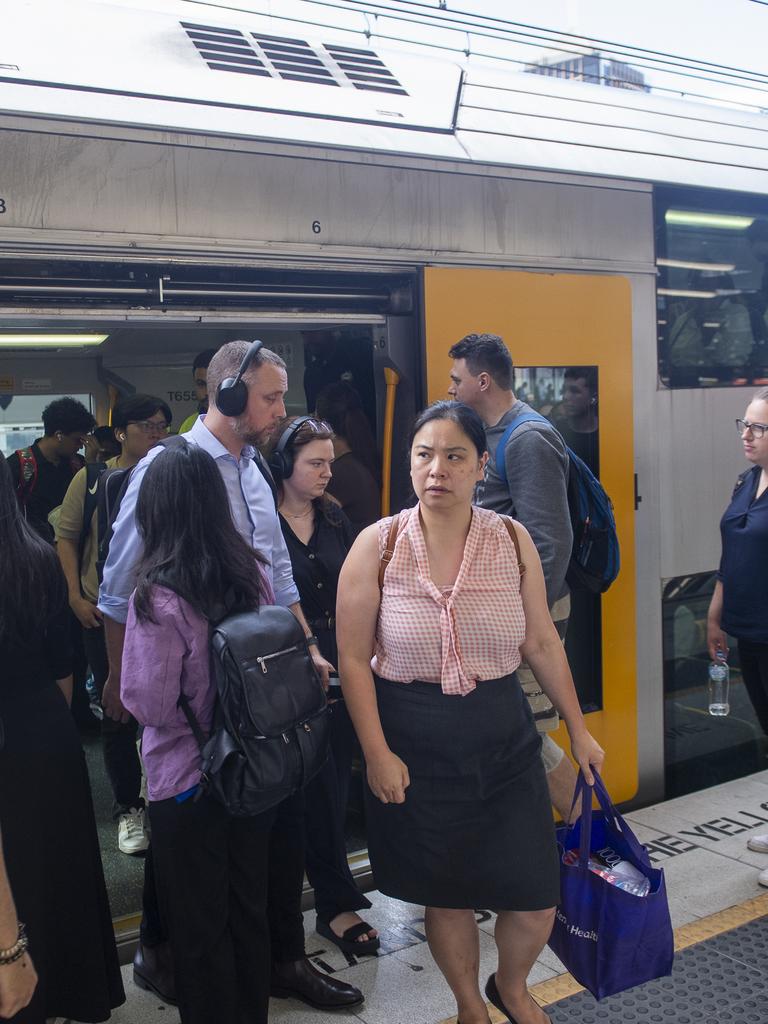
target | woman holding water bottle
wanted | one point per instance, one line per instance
(739, 605)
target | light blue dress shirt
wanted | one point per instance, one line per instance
(253, 511)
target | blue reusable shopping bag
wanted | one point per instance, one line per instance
(609, 939)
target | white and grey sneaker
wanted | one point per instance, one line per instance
(758, 843)
(131, 831)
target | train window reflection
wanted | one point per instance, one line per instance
(568, 397)
(701, 751)
(712, 295)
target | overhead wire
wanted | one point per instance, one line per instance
(444, 19)
(440, 15)
(465, 51)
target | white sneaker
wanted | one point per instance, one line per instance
(758, 843)
(762, 878)
(131, 834)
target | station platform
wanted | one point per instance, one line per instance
(719, 913)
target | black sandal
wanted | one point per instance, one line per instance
(347, 942)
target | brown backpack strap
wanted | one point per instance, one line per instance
(513, 537)
(389, 550)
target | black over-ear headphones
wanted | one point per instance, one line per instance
(232, 393)
(280, 460)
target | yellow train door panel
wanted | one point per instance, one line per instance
(565, 320)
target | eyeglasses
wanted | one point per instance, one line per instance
(757, 430)
(151, 426)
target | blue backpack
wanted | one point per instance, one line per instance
(594, 563)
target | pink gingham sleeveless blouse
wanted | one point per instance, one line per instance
(470, 632)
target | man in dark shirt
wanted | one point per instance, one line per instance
(42, 473)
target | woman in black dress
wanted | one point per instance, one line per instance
(318, 536)
(49, 831)
(449, 598)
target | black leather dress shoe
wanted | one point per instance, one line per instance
(153, 971)
(299, 979)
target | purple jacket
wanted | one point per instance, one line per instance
(161, 660)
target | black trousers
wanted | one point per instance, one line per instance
(753, 658)
(121, 758)
(211, 872)
(275, 841)
(326, 806)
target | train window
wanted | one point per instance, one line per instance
(699, 750)
(21, 418)
(568, 396)
(712, 291)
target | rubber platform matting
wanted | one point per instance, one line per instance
(722, 979)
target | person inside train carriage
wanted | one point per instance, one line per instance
(333, 356)
(101, 445)
(211, 868)
(457, 807)
(579, 423)
(43, 472)
(138, 422)
(318, 536)
(535, 492)
(200, 376)
(739, 605)
(355, 470)
(246, 387)
(49, 829)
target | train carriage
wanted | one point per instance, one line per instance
(176, 175)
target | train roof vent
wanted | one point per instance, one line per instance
(228, 49)
(295, 60)
(365, 70)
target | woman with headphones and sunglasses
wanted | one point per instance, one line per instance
(318, 536)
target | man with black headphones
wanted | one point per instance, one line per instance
(247, 385)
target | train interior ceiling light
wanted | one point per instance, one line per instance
(51, 340)
(698, 219)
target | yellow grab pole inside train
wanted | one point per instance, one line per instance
(392, 379)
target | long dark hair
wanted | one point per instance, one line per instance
(191, 544)
(33, 587)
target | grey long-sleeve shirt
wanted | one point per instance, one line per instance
(536, 491)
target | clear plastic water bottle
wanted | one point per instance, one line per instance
(93, 698)
(718, 687)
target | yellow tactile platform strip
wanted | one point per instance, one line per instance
(547, 992)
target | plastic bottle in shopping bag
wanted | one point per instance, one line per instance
(619, 872)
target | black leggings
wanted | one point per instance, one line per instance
(753, 658)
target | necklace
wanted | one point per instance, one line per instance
(300, 515)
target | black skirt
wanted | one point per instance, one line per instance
(476, 829)
(53, 860)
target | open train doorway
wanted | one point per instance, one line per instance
(371, 356)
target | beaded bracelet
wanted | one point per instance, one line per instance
(312, 641)
(17, 950)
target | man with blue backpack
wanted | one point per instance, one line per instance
(532, 476)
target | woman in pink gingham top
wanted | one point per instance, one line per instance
(457, 805)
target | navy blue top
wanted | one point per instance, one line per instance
(744, 562)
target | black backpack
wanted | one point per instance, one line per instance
(594, 563)
(271, 729)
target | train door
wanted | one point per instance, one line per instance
(372, 356)
(570, 338)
